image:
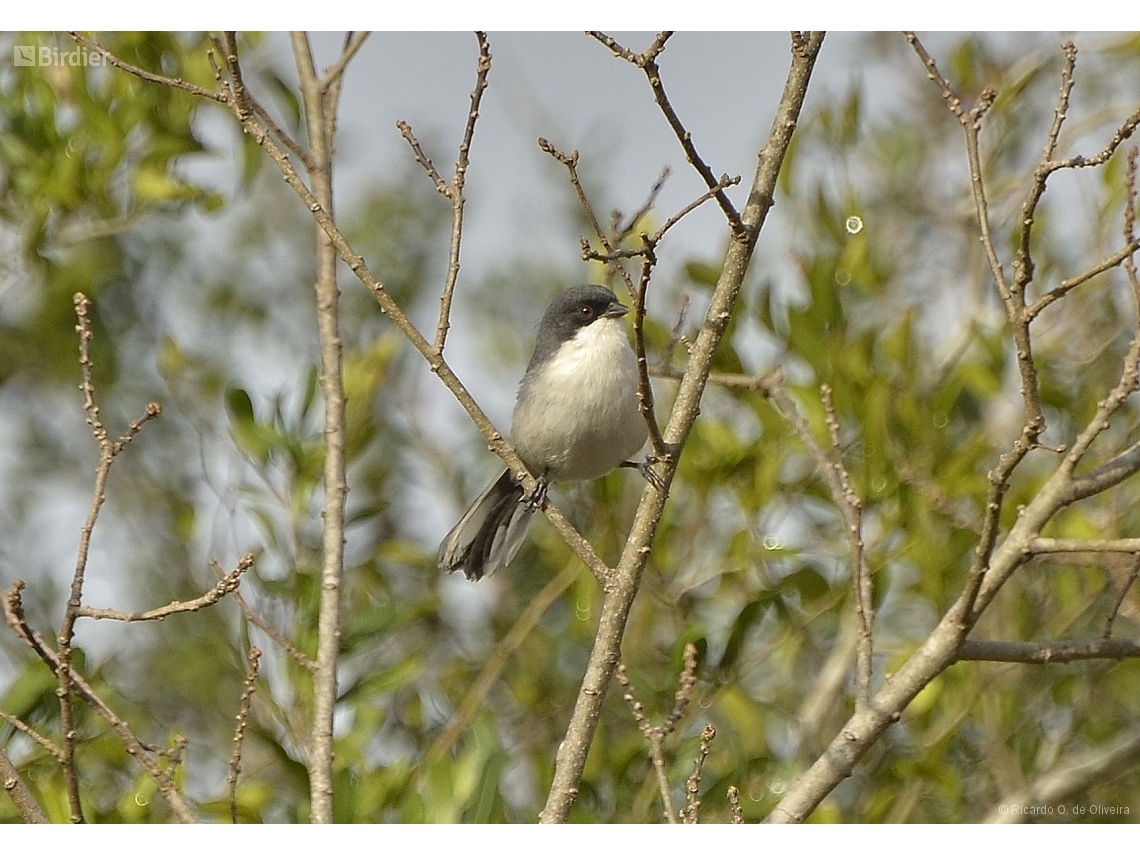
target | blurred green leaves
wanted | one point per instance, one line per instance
(896, 314)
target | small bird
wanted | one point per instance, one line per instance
(576, 418)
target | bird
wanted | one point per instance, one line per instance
(576, 418)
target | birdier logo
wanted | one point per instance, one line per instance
(42, 55)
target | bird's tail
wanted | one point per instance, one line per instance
(489, 534)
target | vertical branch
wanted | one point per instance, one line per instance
(851, 507)
(644, 389)
(453, 190)
(108, 450)
(690, 813)
(320, 116)
(455, 193)
(75, 600)
(656, 734)
(240, 722)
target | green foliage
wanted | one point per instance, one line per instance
(893, 310)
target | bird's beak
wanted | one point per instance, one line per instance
(615, 310)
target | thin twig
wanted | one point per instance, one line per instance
(656, 734)
(635, 252)
(334, 74)
(570, 161)
(1106, 633)
(1023, 264)
(829, 464)
(227, 585)
(1130, 192)
(241, 720)
(851, 508)
(274, 634)
(14, 614)
(647, 62)
(1067, 285)
(175, 82)
(734, 805)
(453, 190)
(690, 813)
(496, 662)
(108, 450)
(661, 450)
(456, 195)
(656, 750)
(34, 735)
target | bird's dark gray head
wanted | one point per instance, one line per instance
(570, 311)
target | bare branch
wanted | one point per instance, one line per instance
(1041, 545)
(334, 74)
(18, 791)
(656, 734)
(175, 82)
(34, 735)
(241, 720)
(690, 813)
(108, 450)
(655, 739)
(1121, 594)
(320, 116)
(1048, 652)
(454, 191)
(1067, 285)
(734, 805)
(948, 94)
(14, 613)
(227, 585)
(647, 62)
(851, 507)
(570, 161)
(1023, 264)
(1012, 296)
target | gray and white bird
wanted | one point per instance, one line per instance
(576, 418)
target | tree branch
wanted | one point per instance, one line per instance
(994, 561)
(18, 791)
(571, 758)
(656, 734)
(321, 102)
(241, 720)
(647, 62)
(227, 585)
(1048, 652)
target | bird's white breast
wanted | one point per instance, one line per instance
(579, 418)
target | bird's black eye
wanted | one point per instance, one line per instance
(586, 313)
